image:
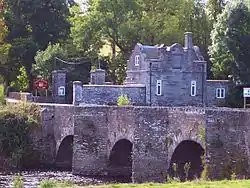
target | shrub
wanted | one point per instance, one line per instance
(54, 183)
(16, 124)
(47, 184)
(18, 182)
(123, 100)
(21, 83)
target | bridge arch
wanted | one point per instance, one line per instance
(120, 159)
(187, 155)
(64, 153)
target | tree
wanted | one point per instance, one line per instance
(32, 24)
(238, 43)
(215, 8)
(45, 60)
(229, 42)
(122, 24)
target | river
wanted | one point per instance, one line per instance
(33, 178)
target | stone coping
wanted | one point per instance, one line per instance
(117, 86)
(179, 108)
(218, 80)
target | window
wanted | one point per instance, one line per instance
(137, 60)
(61, 91)
(158, 87)
(193, 88)
(220, 93)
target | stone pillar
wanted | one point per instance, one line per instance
(59, 86)
(150, 152)
(90, 138)
(188, 40)
(97, 77)
(77, 92)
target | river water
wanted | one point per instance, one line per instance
(33, 178)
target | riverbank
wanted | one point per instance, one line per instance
(194, 184)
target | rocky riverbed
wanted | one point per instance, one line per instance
(33, 178)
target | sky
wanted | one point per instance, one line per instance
(81, 3)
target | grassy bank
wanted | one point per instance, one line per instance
(197, 184)
(194, 184)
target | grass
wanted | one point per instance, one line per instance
(194, 184)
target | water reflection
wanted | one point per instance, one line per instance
(33, 178)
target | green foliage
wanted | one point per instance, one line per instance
(214, 8)
(123, 100)
(45, 60)
(186, 169)
(21, 83)
(18, 182)
(53, 184)
(121, 24)
(2, 96)
(32, 24)
(238, 41)
(234, 98)
(202, 133)
(174, 184)
(233, 176)
(48, 184)
(205, 171)
(230, 39)
(17, 122)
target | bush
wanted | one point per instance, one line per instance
(54, 183)
(16, 124)
(123, 100)
(47, 184)
(21, 83)
(18, 182)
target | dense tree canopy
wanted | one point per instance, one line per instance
(31, 25)
(230, 43)
(32, 32)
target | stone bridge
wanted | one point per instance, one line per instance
(143, 143)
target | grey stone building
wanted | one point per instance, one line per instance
(159, 76)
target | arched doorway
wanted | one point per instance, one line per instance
(65, 154)
(186, 161)
(120, 160)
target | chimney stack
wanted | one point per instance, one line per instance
(188, 40)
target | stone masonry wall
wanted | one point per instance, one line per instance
(90, 141)
(57, 123)
(212, 85)
(108, 94)
(227, 140)
(155, 133)
(97, 129)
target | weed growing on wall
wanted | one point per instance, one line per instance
(123, 100)
(202, 133)
(2, 98)
(16, 124)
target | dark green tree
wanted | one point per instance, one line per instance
(238, 43)
(230, 38)
(32, 24)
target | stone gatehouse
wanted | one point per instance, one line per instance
(158, 75)
(144, 142)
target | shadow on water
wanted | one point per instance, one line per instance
(32, 178)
